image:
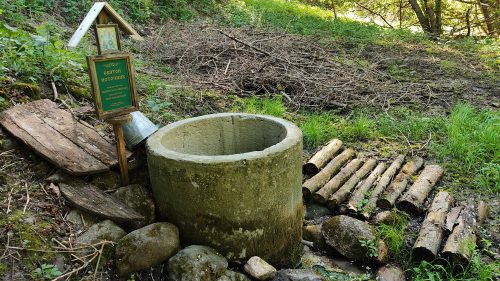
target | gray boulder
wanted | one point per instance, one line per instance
(146, 247)
(297, 275)
(200, 263)
(99, 232)
(345, 235)
(140, 200)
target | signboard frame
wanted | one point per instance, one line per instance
(115, 39)
(96, 91)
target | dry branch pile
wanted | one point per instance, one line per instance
(308, 70)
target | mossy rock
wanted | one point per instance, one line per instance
(345, 235)
(140, 200)
(80, 92)
(28, 89)
(197, 262)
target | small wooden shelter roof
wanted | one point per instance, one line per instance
(92, 16)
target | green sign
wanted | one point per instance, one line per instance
(114, 86)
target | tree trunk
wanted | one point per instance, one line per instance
(381, 185)
(341, 195)
(388, 198)
(462, 240)
(412, 201)
(431, 232)
(467, 21)
(322, 157)
(422, 19)
(333, 185)
(320, 179)
(489, 20)
(359, 194)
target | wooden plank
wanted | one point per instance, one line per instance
(54, 134)
(123, 24)
(86, 24)
(93, 200)
(85, 137)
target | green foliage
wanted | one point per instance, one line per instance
(472, 144)
(269, 106)
(370, 245)
(37, 57)
(46, 272)
(394, 234)
(318, 129)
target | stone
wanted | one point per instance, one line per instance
(315, 211)
(297, 275)
(196, 262)
(107, 181)
(103, 231)
(313, 234)
(146, 247)
(259, 268)
(233, 169)
(140, 200)
(345, 235)
(382, 252)
(390, 273)
(386, 217)
(230, 275)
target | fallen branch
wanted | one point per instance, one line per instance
(359, 194)
(322, 157)
(322, 195)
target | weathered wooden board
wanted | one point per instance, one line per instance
(76, 148)
(93, 200)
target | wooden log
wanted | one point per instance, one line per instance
(431, 232)
(482, 212)
(385, 179)
(340, 196)
(333, 185)
(398, 185)
(322, 157)
(360, 192)
(451, 219)
(320, 179)
(413, 200)
(462, 240)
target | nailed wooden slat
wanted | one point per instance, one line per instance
(91, 199)
(54, 134)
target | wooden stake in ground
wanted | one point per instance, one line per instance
(381, 185)
(412, 201)
(398, 185)
(359, 194)
(431, 232)
(340, 196)
(462, 240)
(320, 179)
(322, 157)
(120, 145)
(333, 185)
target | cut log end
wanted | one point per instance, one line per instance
(310, 169)
(383, 203)
(423, 253)
(409, 207)
(319, 198)
(306, 194)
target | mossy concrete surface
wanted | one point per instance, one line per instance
(233, 182)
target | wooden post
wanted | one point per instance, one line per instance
(117, 123)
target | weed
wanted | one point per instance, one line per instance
(318, 129)
(269, 106)
(370, 246)
(46, 272)
(394, 234)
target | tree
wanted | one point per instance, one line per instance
(489, 9)
(429, 15)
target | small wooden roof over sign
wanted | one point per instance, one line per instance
(93, 14)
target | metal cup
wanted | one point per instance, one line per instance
(138, 130)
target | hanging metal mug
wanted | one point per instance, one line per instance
(138, 130)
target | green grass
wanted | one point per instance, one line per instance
(394, 235)
(268, 106)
